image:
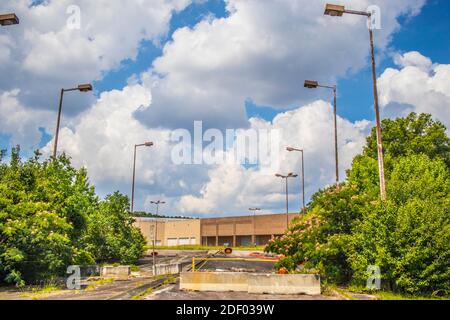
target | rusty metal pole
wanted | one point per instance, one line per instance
(378, 121)
(287, 204)
(303, 181)
(155, 238)
(336, 138)
(55, 147)
(134, 179)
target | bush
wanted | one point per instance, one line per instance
(51, 218)
(409, 236)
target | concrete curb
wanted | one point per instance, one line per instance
(255, 283)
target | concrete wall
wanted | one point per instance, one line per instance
(255, 283)
(214, 281)
(284, 284)
(261, 228)
(148, 227)
(169, 229)
(214, 231)
(183, 229)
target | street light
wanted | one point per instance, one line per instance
(81, 88)
(290, 175)
(254, 210)
(157, 203)
(146, 144)
(314, 85)
(290, 149)
(338, 11)
(8, 19)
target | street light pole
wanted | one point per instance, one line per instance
(310, 84)
(254, 228)
(290, 175)
(338, 11)
(147, 144)
(81, 88)
(157, 203)
(290, 149)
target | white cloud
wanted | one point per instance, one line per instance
(20, 122)
(413, 59)
(42, 54)
(232, 189)
(419, 86)
(263, 50)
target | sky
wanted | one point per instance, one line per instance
(159, 65)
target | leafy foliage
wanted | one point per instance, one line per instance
(48, 218)
(408, 236)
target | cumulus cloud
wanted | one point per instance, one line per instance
(20, 122)
(43, 54)
(102, 140)
(232, 189)
(263, 50)
(417, 86)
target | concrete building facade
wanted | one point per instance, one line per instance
(232, 231)
(243, 231)
(170, 232)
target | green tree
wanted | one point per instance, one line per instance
(408, 237)
(111, 235)
(50, 218)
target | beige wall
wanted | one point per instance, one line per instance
(147, 227)
(273, 224)
(169, 230)
(182, 230)
(173, 232)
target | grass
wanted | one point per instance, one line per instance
(208, 248)
(388, 295)
(149, 291)
(36, 291)
(98, 283)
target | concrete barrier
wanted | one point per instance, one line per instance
(256, 283)
(163, 269)
(115, 272)
(284, 284)
(214, 281)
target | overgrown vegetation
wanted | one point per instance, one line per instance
(407, 236)
(50, 218)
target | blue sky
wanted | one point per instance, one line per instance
(222, 68)
(428, 33)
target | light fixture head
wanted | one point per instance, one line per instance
(149, 144)
(310, 84)
(334, 10)
(8, 19)
(85, 87)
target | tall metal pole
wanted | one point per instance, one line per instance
(287, 204)
(377, 115)
(154, 238)
(303, 181)
(55, 147)
(338, 10)
(134, 179)
(336, 138)
(155, 229)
